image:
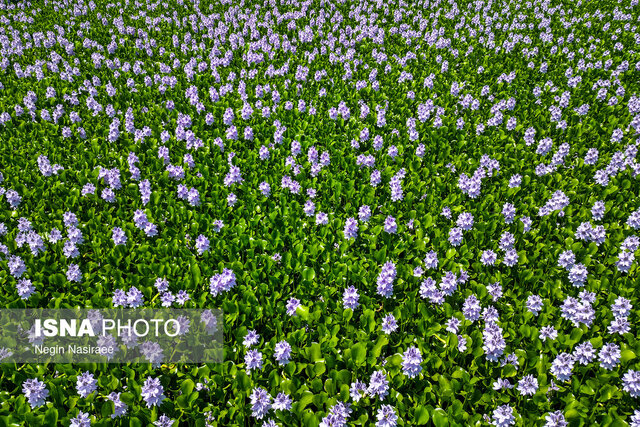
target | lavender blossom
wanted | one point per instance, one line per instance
(35, 391)
(411, 362)
(86, 384)
(152, 392)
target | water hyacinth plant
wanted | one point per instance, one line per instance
(410, 213)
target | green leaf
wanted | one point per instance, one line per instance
(306, 398)
(196, 275)
(308, 274)
(127, 398)
(440, 418)
(627, 355)
(421, 416)
(314, 352)
(359, 353)
(187, 386)
(51, 417)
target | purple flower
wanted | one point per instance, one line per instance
(507, 240)
(119, 298)
(501, 383)
(390, 225)
(631, 383)
(455, 236)
(562, 366)
(253, 360)
(555, 419)
(35, 391)
(193, 197)
(621, 307)
(282, 352)
(265, 188)
(182, 297)
(202, 244)
(584, 353)
(619, 325)
(490, 314)
(385, 279)
(118, 236)
(609, 356)
(378, 385)
(396, 185)
(494, 343)
(465, 221)
(163, 421)
(488, 257)
(375, 178)
(88, 189)
(528, 385)
(503, 416)
(322, 218)
(351, 228)
(24, 288)
(453, 324)
(337, 416)
(471, 308)
(282, 402)
(633, 221)
(509, 212)
(260, 402)
(411, 360)
(222, 282)
(631, 243)
(567, 259)
(357, 390)
(431, 260)
(251, 339)
(309, 208)
(217, 225)
(389, 324)
(145, 191)
(387, 416)
(625, 261)
(82, 420)
(597, 211)
(74, 274)
(364, 213)
(233, 177)
(548, 333)
(161, 284)
(578, 275)
(350, 298)
(13, 198)
(430, 291)
(167, 298)
(511, 258)
(86, 384)
(292, 305)
(16, 266)
(134, 297)
(152, 392)
(70, 250)
(462, 343)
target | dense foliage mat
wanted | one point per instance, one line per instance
(411, 213)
